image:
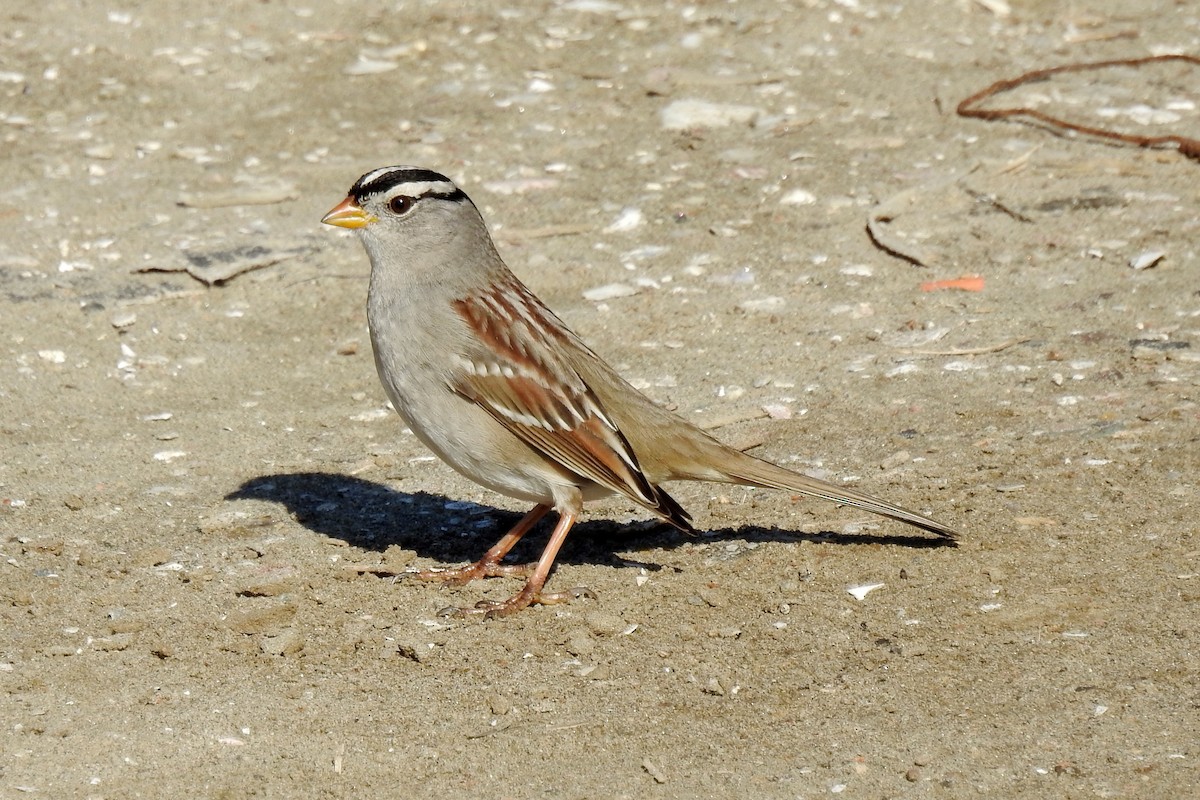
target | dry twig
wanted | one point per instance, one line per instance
(967, 108)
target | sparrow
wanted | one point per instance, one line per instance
(498, 387)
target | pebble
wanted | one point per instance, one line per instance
(777, 411)
(260, 194)
(689, 114)
(369, 66)
(520, 185)
(1147, 259)
(123, 319)
(593, 6)
(627, 220)
(798, 197)
(104, 152)
(372, 415)
(730, 392)
(860, 592)
(609, 291)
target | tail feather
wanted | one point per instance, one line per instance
(751, 471)
(670, 510)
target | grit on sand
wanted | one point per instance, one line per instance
(207, 509)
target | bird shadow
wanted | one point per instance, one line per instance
(372, 516)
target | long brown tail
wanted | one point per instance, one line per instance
(750, 471)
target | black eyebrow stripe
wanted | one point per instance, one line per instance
(389, 180)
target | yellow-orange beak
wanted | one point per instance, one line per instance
(348, 214)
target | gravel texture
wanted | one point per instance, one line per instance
(204, 499)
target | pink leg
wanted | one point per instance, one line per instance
(532, 591)
(489, 566)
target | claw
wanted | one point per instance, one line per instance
(495, 609)
(484, 568)
(535, 574)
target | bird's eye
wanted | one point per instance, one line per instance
(400, 204)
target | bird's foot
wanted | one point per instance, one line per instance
(493, 609)
(484, 568)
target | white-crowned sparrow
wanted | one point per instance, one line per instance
(505, 393)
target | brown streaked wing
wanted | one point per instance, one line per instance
(519, 379)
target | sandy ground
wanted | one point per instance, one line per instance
(203, 494)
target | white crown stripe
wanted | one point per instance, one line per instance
(423, 189)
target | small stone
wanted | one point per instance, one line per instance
(369, 66)
(914, 775)
(682, 115)
(861, 591)
(777, 411)
(122, 320)
(798, 197)
(1147, 259)
(627, 220)
(609, 291)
